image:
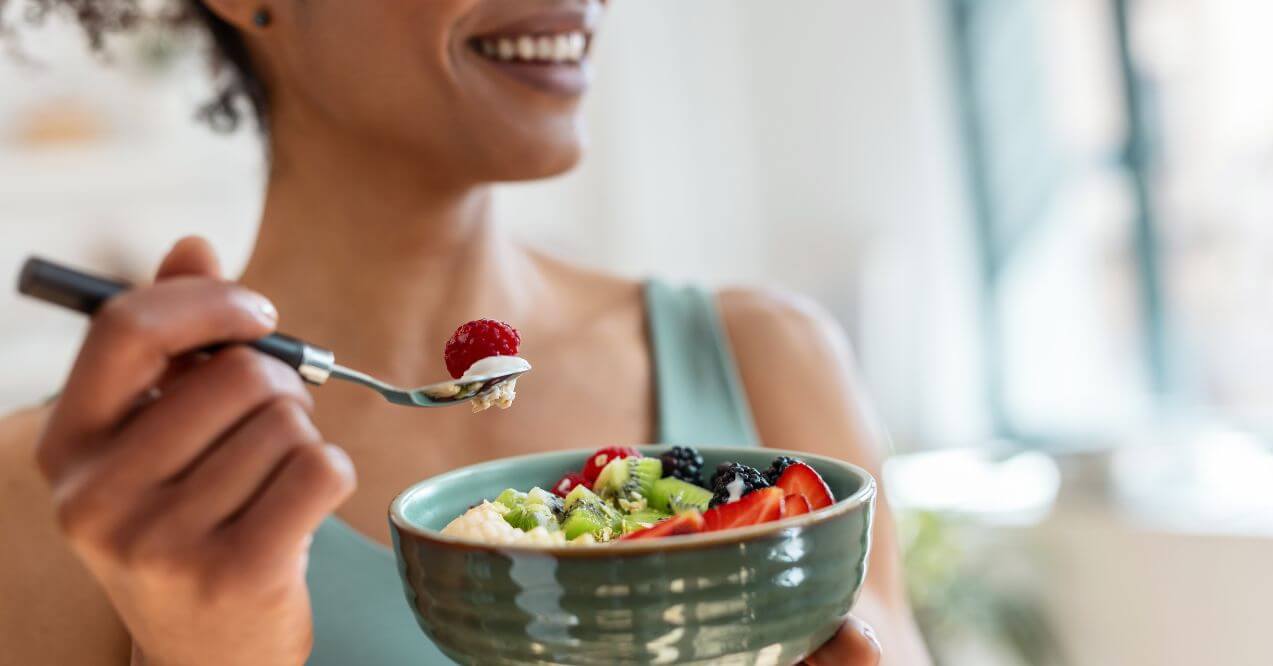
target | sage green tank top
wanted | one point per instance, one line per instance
(361, 617)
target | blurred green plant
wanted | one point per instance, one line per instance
(965, 590)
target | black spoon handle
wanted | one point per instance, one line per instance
(84, 293)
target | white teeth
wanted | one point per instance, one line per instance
(578, 44)
(544, 48)
(560, 48)
(526, 48)
(507, 50)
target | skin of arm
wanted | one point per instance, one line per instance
(782, 341)
(52, 611)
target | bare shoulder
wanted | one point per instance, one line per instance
(801, 379)
(799, 373)
(52, 611)
(778, 321)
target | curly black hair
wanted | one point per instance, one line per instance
(238, 79)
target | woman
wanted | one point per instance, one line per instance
(243, 539)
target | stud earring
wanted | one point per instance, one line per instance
(262, 18)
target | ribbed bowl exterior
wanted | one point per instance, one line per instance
(770, 598)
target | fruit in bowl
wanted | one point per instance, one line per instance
(638, 564)
(622, 495)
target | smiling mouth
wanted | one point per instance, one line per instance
(563, 48)
(549, 62)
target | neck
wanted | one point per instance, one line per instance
(378, 261)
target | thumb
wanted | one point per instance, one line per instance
(191, 256)
(854, 645)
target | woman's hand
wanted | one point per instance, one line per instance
(854, 645)
(189, 484)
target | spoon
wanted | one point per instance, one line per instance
(84, 293)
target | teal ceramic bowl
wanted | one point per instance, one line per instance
(766, 594)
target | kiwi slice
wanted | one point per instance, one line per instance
(581, 522)
(537, 508)
(511, 498)
(674, 495)
(586, 513)
(540, 497)
(639, 520)
(628, 478)
(580, 494)
(530, 516)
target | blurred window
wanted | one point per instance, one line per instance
(1120, 162)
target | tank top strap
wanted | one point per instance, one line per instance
(700, 398)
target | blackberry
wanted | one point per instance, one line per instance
(731, 473)
(684, 463)
(780, 465)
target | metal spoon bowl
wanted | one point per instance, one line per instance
(441, 394)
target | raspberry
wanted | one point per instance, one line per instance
(730, 473)
(597, 461)
(477, 340)
(684, 463)
(780, 465)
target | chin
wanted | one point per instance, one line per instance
(538, 163)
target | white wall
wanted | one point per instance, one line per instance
(808, 147)
(144, 175)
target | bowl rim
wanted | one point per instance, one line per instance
(864, 495)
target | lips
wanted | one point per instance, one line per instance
(547, 51)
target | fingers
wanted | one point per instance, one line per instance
(135, 334)
(191, 256)
(309, 485)
(854, 645)
(222, 485)
(197, 409)
(104, 483)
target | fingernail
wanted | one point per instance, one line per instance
(869, 633)
(266, 311)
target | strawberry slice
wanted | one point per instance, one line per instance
(569, 482)
(597, 461)
(754, 508)
(690, 522)
(794, 505)
(801, 479)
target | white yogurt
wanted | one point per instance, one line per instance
(494, 366)
(735, 488)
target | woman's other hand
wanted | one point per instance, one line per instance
(190, 484)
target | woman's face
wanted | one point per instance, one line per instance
(482, 90)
